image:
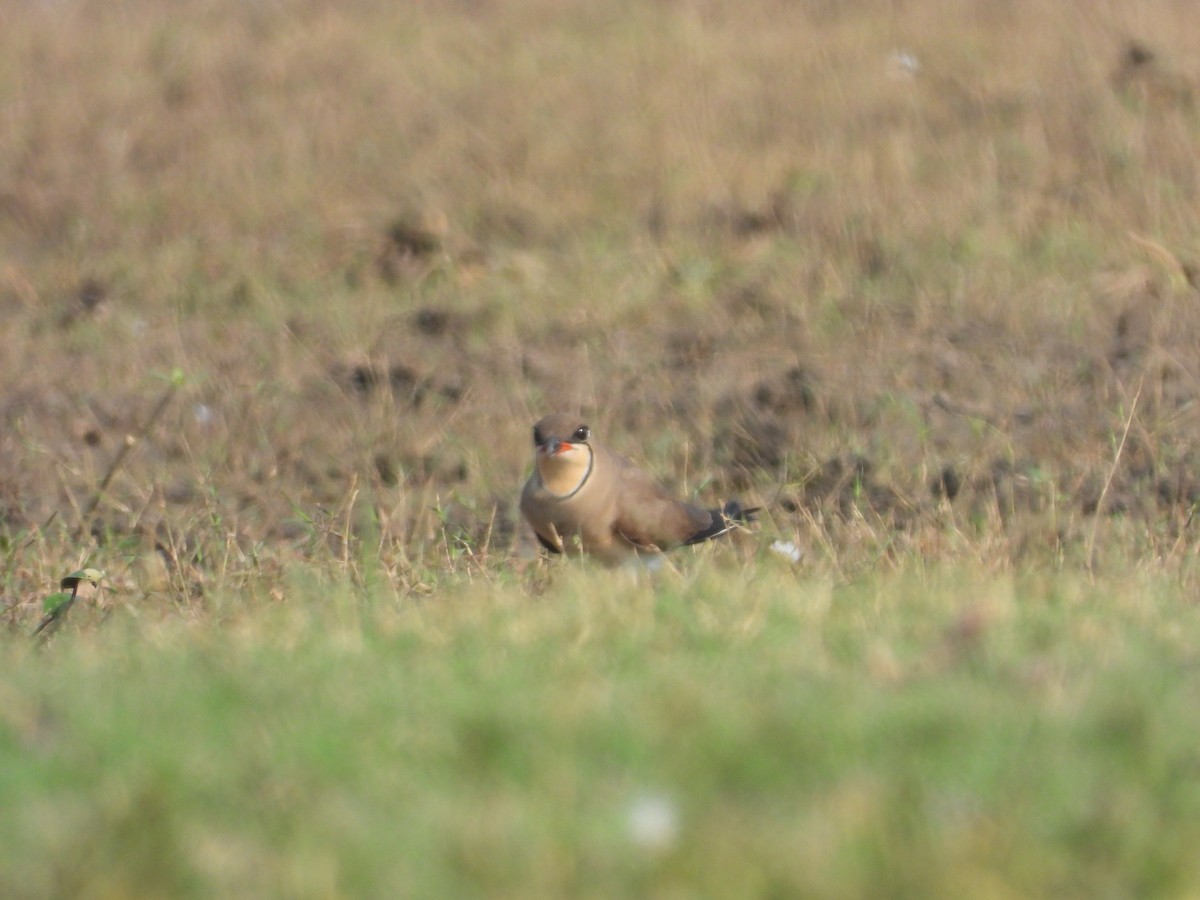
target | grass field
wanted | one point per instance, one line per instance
(283, 287)
(734, 734)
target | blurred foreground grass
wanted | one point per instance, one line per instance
(714, 733)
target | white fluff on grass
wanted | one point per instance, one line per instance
(652, 821)
(788, 550)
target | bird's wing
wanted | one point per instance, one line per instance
(545, 542)
(648, 516)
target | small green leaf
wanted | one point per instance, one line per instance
(54, 602)
(71, 581)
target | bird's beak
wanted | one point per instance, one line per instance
(554, 446)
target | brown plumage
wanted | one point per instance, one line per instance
(583, 497)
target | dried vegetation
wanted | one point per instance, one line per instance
(922, 281)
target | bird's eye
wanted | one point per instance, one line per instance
(582, 433)
(537, 438)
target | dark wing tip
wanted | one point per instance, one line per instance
(547, 544)
(735, 512)
(724, 519)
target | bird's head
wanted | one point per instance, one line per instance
(562, 452)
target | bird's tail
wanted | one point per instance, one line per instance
(724, 519)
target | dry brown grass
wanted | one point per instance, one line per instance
(379, 240)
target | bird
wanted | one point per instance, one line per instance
(585, 499)
(82, 585)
